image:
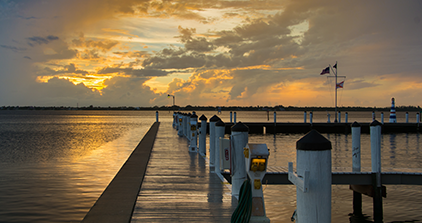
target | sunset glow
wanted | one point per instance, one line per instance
(127, 53)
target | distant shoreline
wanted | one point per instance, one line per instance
(214, 108)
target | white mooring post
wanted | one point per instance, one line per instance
(234, 117)
(231, 117)
(220, 129)
(382, 118)
(193, 133)
(373, 115)
(239, 139)
(407, 117)
(214, 119)
(184, 124)
(304, 117)
(356, 166)
(417, 117)
(311, 114)
(156, 116)
(176, 118)
(346, 117)
(313, 178)
(328, 116)
(203, 136)
(188, 130)
(356, 160)
(180, 122)
(339, 117)
(375, 131)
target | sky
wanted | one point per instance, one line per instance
(210, 53)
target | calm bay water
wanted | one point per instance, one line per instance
(55, 164)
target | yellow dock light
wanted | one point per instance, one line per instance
(258, 164)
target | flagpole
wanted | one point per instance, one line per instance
(335, 86)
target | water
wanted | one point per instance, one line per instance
(55, 164)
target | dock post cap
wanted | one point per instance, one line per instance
(375, 123)
(220, 123)
(355, 124)
(313, 141)
(240, 127)
(214, 118)
(203, 117)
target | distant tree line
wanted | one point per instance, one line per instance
(216, 108)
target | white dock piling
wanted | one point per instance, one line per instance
(328, 116)
(180, 123)
(339, 117)
(231, 117)
(220, 128)
(156, 116)
(356, 166)
(304, 117)
(407, 117)
(375, 131)
(203, 136)
(314, 155)
(193, 133)
(346, 117)
(214, 119)
(417, 118)
(234, 117)
(382, 118)
(356, 145)
(311, 114)
(239, 139)
(373, 116)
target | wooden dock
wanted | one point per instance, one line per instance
(179, 186)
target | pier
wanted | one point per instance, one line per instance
(163, 181)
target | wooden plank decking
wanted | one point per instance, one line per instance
(179, 186)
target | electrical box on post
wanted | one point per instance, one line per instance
(224, 154)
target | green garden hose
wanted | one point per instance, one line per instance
(243, 211)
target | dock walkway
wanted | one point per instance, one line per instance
(179, 186)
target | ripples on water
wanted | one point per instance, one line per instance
(55, 164)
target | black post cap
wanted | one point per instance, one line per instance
(214, 118)
(203, 117)
(375, 123)
(194, 116)
(240, 127)
(355, 124)
(313, 141)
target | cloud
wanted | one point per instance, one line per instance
(13, 48)
(103, 45)
(133, 72)
(37, 40)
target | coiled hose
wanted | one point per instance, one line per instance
(243, 211)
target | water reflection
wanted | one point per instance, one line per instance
(55, 166)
